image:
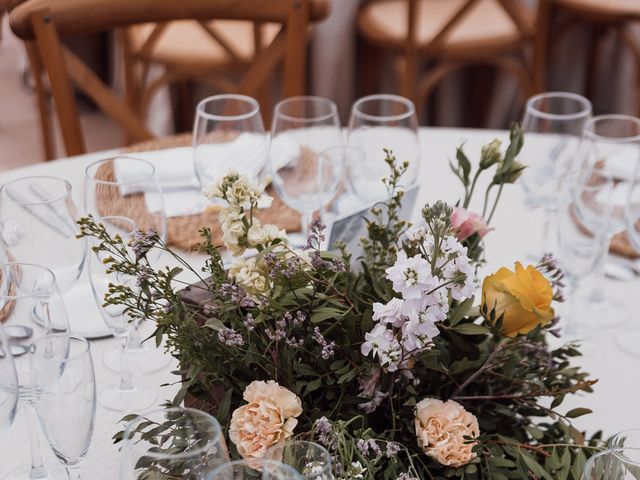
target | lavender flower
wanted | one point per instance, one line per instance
(327, 347)
(392, 449)
(324, 430)
(142, 242)
(554, 273)
(230, 338)
(316, 234)
(249, 322)
(406, 476)
(368, 447)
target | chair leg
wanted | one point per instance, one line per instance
(46, 126)
(369, 69)
(633, 42)
(595, 53)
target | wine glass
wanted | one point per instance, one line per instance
(379, 122)
(8, 383)
(355, 190)
(24, 290)
(129, 187)
(613, 464)
(255, 469)
(302, 128)
(583, 222)
(312, 460)
(228, 134)
(553, 122)
(125, 396)
(632, 212)
(172, 443)
(611, 147)
(63, 380)
(38, 216)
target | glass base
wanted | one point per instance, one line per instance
(134, 400)
(630, 342)
(142, 360)
(48, 472)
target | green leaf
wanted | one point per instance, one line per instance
(460, 312)
(313, 386)
(470, 329)
(535, 467)
(578, 465)
(322, 314)
(578, 412)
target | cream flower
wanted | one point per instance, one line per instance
(268, 418)
(441, 428)
(249, 275)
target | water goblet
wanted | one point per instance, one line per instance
(379, 122)
(553, 122)
(172, 443)
(8, 383)
(125, 396)
(63, 380)
(312, 460)
(613, 464)
(302, 128)
(128, 187)
(228, 134)
(255, 469)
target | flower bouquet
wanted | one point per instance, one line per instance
(393, 361)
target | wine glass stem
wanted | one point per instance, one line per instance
(126, 380)
(306, 219)
(135, 341)
(74, 474)
(37, 466)
(597, 295)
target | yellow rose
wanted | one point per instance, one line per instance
(523, 298)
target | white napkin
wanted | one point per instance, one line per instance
(622, 164)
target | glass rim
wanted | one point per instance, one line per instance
(409, 105)
(588, 128)
(191, 411)
(66, 183)
(583, 101)
(333, 109)
(95, 180)
(248, 462)
(49, 287)
(255, 107)
(121, 218)
(86, 347)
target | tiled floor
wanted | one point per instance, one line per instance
(20, 138)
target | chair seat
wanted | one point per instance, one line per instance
(612, 9)
(185, 44)
(485, 28)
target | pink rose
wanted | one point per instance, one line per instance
(466, 223)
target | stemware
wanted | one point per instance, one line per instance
(376, 123)
(582, 225)
(255, 469)
(63, 380)
(8, 383)
(611, 147)
(228, 134)
(172, 443)
(303, 127)
(632, 212)
(312, 460)
(38, 216)
(125, 396)
(553, 122)
(129, 187)
(613, 464)
(25, 289)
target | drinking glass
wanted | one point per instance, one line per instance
(125, 396)
(376, 123)
(312, 460)
(614, 464)
(64, 385)
(38, 216)
(172, 443)
(553, 122)
(582, 225)
(228, 134)
(8, 384)
(611, 147)
(129, 187)
(255, 469)
(24, 290)
(303, 127)
(632, 212)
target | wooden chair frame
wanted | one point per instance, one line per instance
(44, 22)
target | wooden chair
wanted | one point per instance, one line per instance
(44, 22)
(447, 35)
(604, 16)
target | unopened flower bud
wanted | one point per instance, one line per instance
(490, 154)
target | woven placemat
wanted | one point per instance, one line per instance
(182, 232)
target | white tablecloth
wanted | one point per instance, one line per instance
(517, 232)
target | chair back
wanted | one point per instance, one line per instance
(46, 22)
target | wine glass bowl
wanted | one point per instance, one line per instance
(312, 460)
(8, 383)
(255, 469)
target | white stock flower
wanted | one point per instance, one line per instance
(382, 343)
(248, 275)
(416, 233)
(411, 277)
(390, 313)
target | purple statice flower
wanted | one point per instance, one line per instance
(327, 347)
(374, 403)
(316, 234)
(233, 293)
(392, 449)
(363, 446)
(287, 267)
(324, 430)
(142, 242)
(554, 273)
(230, 338)
(210, 309)
(143, 273)
(335, 265)
(368, 447)
(249, 322)
(406, 476)
(294, 342)
(299, 318)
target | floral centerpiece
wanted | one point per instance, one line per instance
(395, 362)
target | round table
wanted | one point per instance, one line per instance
(517, 230)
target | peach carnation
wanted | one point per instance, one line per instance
(267, 419)
(441, 428)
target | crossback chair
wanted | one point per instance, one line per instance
(447, 35)
(604, 16)
(45, 22)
